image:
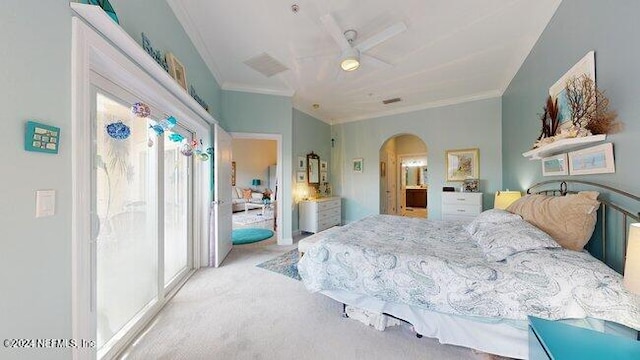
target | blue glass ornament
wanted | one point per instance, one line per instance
(176, 137)
(210, 150)
(118, 130)
(203, 157)
(159, 130)
(171, 122)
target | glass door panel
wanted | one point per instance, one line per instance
(177, 190)
(125, 183)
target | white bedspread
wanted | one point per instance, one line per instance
(435, 265)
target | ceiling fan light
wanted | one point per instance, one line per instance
(350, 64)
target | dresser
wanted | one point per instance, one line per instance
(461, 205)
(551, 340)
(320, 214)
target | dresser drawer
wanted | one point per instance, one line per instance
(459, 198)
(469, 210)
(328, 222)
(328, 204)
(323, 214)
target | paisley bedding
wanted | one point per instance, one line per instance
(435, 265)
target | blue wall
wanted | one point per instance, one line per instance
(579, 26)
(460, 126)
(35, 254)
(309, 134)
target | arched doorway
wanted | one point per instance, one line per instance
(403, 176)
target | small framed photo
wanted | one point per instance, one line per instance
(176, 70)
(324, 166)
(594, 160)
(301, 176)
(463, 164)
(302, 163)
(324, 177)
(555, 165)
(358, 165)
(233, 173)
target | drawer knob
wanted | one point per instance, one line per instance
(463, 199)
(461, 210)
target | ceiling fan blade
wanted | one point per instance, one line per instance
(381, 37)
(334, 30)
(370, 61)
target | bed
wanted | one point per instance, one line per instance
(473, 284)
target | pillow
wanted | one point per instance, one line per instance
(246, 194)
(256, 196)
(493, 216)
(569, 219)
(498, 241)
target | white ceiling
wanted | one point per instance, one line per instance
(453, 50)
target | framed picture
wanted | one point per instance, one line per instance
(593, 160)
(301, 176)
(302, 163)
(324, 166)
(358, 165)
(233, 173)
(555, 165)
(176, 70)
(463, 164)
(585, 67)
(41, 138)
(324, 177)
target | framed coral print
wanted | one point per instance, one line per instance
(324, 177)
(555, 165)
(233, 173)
(358, 165)
(463, 164)
(324, 166)
(301, 177)
(585, 67)
(593, 160)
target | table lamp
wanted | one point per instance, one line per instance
(255, 182)
(505, 198)
(632, 264)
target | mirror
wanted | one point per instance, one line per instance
(313, 168)
(415, 175)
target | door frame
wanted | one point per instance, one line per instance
(278, 139)
(121, 60)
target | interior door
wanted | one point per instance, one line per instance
(222, 206)
(392, 183)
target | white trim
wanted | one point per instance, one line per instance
(114, 33)
(92, 52)
(233, 86)
(434, 104)
(278, 139)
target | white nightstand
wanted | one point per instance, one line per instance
(461, 205)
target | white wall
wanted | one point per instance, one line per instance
(253, 157)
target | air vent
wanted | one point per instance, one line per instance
(391, 101)
(266, 65)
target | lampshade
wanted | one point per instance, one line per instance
(350, 60)
(632, 264)
(255, 182)
(505, 198)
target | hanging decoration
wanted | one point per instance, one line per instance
(175, 137)
(159, 130)
(150, 142)
(186, 149)
(141, 110)
(118, 130)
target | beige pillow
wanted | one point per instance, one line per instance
(246, 194)
(569, 219)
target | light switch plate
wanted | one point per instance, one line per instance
(45, 203)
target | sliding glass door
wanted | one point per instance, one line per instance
(142, 208)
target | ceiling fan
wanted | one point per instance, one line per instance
(351, 56)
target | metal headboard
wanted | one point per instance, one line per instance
(610, 211)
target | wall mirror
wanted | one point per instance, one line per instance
(415, 175)
(313, 168)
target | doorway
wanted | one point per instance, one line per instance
(404, 176)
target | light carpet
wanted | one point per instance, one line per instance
(240, 311)
(253, 217)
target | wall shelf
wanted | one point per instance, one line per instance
(561, 146)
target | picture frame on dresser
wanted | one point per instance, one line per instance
(176, 70)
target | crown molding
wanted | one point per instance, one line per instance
(424, 106)
(309, 112)
(233, 86)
